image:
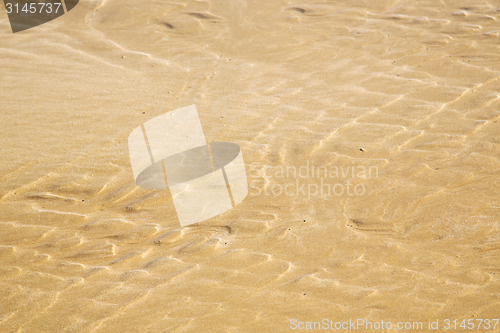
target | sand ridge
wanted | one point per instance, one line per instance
(415, 85)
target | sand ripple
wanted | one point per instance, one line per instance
(408, 87)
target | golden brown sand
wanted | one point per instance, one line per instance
(411, 88)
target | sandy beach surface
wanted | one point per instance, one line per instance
(408, 90)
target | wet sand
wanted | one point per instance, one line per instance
(409, 88)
